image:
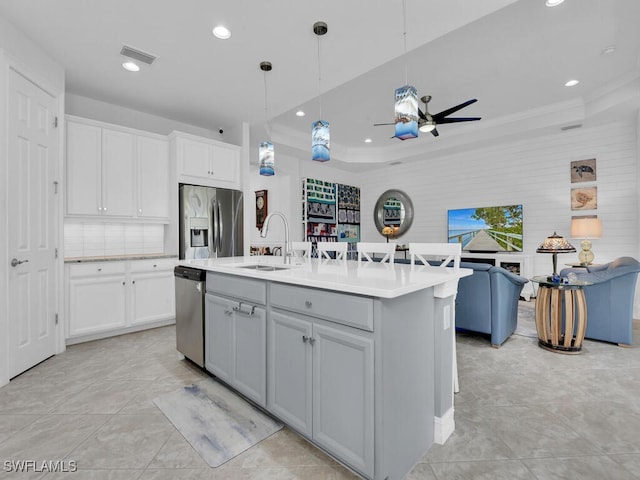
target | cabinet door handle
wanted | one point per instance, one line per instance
(123, 283)
(308, 304)
(312, 340)
(304, 339)
(249, 312)
(134, 282)
(228, 312)
(99, 269)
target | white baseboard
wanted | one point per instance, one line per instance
(443, 427)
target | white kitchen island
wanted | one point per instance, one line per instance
(355, 357)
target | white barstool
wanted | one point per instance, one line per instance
(366, 250)
(301, 250)
(339, 249)
(451, 253)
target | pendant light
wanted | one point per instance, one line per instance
(320, 134)
(406, 97)
(266, 158)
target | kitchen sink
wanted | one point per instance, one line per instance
(265, 268)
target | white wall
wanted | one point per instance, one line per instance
(284, 191)
(106, 112)
(533, 172)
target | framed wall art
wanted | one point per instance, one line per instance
(583, 171)
(584, 198)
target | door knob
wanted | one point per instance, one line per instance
(15, 262)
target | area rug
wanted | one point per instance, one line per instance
(216, 422)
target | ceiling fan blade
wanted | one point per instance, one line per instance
(434, 132)
(456, 120)
(451, 110)
(422, 115)
(380, 124)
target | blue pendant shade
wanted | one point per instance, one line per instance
(320, 141)
(266, 158)
(406, 112)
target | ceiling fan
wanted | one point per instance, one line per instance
(428, 122)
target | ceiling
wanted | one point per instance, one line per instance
(513, 56)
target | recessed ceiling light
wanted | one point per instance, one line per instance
(572, 83)
(553, 3)
(367, 140)
(300, 113)
(221, 32)
(131, 66)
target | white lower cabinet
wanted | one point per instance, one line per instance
(321, 383)
(109, 298)
(236, 342)
(152, 291)
(97, 298)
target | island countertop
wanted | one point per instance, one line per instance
(361, 278)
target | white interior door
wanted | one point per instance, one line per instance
(33, 151)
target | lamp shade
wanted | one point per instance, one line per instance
(555, 244)
(586, 227)
(320, 141)
(266, 158)
(406, 112)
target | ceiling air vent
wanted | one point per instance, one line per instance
(571, 127)
(136, 54)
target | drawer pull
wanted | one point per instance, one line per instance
(308, 304)
(239, 309)
(99, 269)
(304, 339)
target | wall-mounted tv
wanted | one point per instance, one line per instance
(486, 229)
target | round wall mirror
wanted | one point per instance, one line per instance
(393, 213)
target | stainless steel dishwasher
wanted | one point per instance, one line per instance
(190, 290)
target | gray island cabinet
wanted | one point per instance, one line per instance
(362, 367)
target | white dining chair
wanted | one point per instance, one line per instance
(338, 248)
(445, 253)
(301, 250)
(367, 250)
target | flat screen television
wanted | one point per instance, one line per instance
(486, 229)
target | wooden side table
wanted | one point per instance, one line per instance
(561, 315)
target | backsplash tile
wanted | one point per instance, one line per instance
(93, 239)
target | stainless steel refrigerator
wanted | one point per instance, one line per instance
(211, 221)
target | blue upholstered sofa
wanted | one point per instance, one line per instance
(487, 301)
(609, 299)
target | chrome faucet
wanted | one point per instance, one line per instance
(286, 251)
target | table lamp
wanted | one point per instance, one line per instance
(586, 228)
(555, 244)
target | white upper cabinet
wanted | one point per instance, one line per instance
(116, 172)
(206, 162)
(84, 169)
(153, 177)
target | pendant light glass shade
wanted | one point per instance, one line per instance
(320, 141)
(266, 158)
(406, 112)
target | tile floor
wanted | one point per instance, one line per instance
(522, 413)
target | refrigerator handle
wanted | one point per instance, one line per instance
(212, 229)
(220, 231)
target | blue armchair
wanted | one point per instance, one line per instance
(487, 301)
(609, 299)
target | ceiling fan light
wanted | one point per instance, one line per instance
(553, 3)
(427, 127)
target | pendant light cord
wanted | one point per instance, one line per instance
(266, 115)
(320, 79)
(404, 38)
